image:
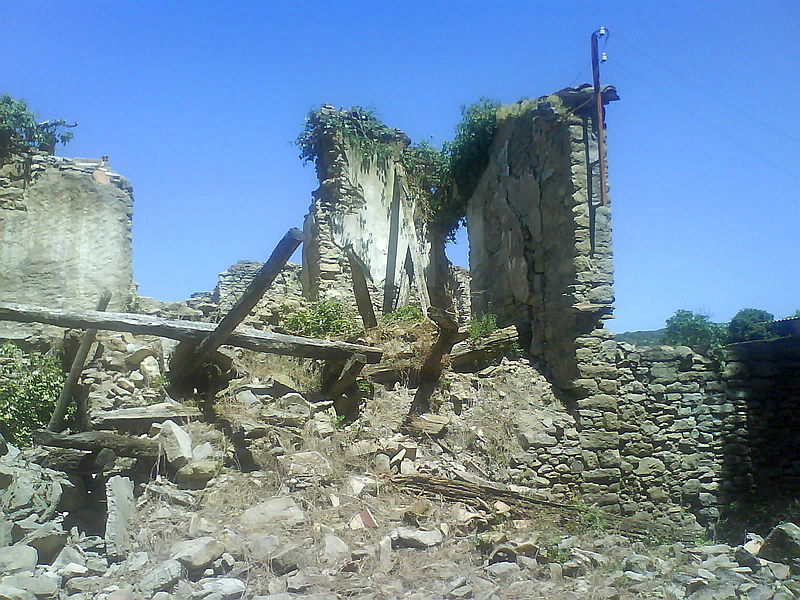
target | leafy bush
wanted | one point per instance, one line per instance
(29, 388)
(750, 324)
(482, 326)
(323, 318)
(405, 315)
(20, 131)
(687, 328)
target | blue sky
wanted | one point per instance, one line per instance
(197, 102)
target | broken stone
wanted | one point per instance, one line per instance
(176, 443)
(227, 588)
(196, 474)
(161, 577)
(121, 509)
(198, 553)
(18, 558)
(281, 510)
(334, 549)
(44, 584)
(405, 537)
(306, 464)
(782, 544)
(10, 592)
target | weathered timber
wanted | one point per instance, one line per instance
(68, 391)
(247, 302)
(466, 355)
(121, 445)
(431, 370)
(482, 495)
(189, 331)
(139, 419)
(347, 377)
(360, 290)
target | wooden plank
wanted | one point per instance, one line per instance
(352, 368)
(138, 419)
(361, 290)
(246, 303)
(389, 285)
(416, 257)
(121, 445)
(189, 331)
(431, 371)
(68, 391)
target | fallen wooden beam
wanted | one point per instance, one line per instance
(475, 353)
(352, 368)
(360, 290)
(121, 445)
(247, 302)
(189, 331)
(70, 385)
(433, 366)
(139, 419)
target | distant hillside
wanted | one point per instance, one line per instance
(641, 338)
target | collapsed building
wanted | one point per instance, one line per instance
(665, 430)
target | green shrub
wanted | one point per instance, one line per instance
(323, 318)
(687, 328)
(20, 131)
(482, 326)
(750, 324)
(29, 388)
(405, 315)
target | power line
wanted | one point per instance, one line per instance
(721, 99)
(662, 93)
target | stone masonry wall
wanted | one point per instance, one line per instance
(541, 258)
(364, 203)
(65, 232)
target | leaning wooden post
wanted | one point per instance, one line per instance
(449, 336)
(360, 290)
(260, 284)
(56, 423)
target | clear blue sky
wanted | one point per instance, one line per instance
(196, 103)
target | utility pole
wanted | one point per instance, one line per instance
(598, 97)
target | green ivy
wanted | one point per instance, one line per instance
(29, 388)
(320, 319)
(443, 179)
(19, 130)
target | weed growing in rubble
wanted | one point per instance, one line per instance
(482, 326)
(324, 318)
(29, 388)
(405, 315)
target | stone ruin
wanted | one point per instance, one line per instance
(663, 430)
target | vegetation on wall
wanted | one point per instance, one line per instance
(324, 318)
(29, 388)
(19, 129)
(444, 179)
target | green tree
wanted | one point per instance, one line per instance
(750, 324)
(687, 328)
(19, 129)
(29, 388)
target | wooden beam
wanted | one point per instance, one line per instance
(67, 392)
(432, 368)
(352, 368)
(247, 302)
(190, 331)
(121, 445)
(361, 290)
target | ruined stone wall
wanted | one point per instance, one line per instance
(363, 202)
(763, 379)
(284, 295)
(65, 232)
(540, 244)
(541, 258)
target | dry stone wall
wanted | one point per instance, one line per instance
(65, 232)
